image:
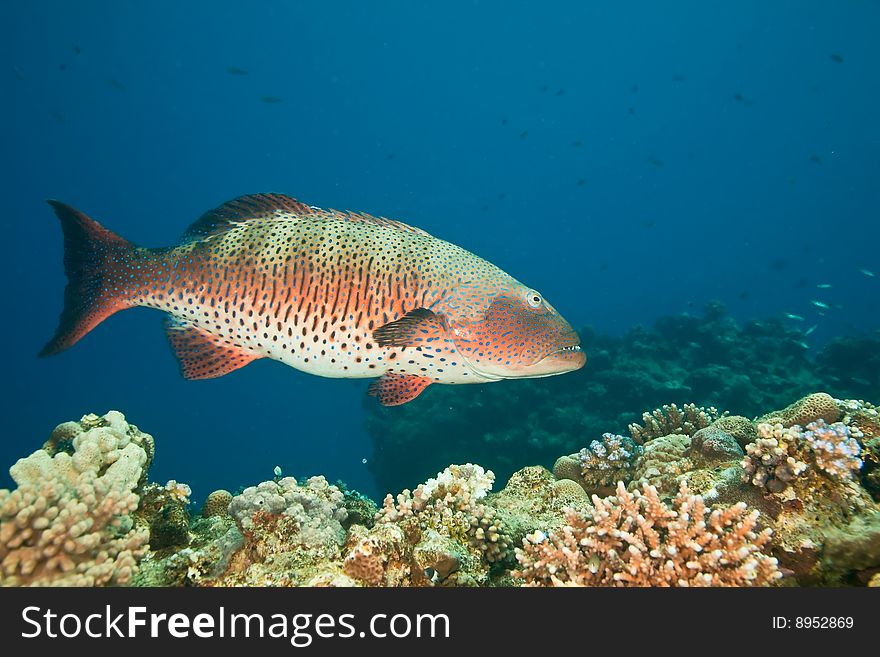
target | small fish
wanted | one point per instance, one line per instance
(524, 134)
(810, 330)
(581, 182)
(837, 59)
(797, 318)
(277, 471)
(678, 77)
(802, 344)
(335, 294)
(824, 286)
(820, 304)
(234, 70)
(594, 563)
(270, 100)
(655, 162)
(867, 272)
(815, 159)
(577, 143)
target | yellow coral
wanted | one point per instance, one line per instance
(814, 407)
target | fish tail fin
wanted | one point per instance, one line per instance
(94, 258)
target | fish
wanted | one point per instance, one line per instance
(235, 70)
(824, 286)
(837, 59)
(867, 272)
(810, 330)
(797, 318)
(330, 293)
(820, 304)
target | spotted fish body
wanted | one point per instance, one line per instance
(335, 294)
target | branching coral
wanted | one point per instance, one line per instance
(669, 419)
(442, 520)
(773, 460)
(608, 461)
(634, 539)
(69, 522)
(835, 447)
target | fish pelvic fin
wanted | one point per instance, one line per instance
(95, 260)
(392, 389)
(202, 355)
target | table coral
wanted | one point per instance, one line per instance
(634, 539)
(70, 520)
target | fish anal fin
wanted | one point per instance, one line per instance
(414, 329)
(201, 355)
(254, 207)
(393, 389)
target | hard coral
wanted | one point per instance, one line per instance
(70, 522)
(634, 539)
(814, 407)
(835, 448)
(773, 460)
(669, 419)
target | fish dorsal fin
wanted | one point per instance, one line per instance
(274, 207)
(363, 218)
(254, 207)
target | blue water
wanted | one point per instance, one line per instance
(628, 159)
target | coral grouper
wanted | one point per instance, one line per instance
(337, 294)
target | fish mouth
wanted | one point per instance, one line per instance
(565, 359)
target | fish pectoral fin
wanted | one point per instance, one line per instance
(417, 327)
(395, 389)
(202, 355)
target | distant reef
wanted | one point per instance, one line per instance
(709, 361)
(685, 496)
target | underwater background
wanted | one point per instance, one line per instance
(634, 161)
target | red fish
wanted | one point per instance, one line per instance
(337, 294)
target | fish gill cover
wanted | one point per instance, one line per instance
(632, 163)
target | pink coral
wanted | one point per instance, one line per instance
(634, 539)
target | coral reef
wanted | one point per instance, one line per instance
(634, 539)
(70, 521)
(707, 360)
(723, 500)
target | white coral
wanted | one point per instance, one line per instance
(69, 523)
(316, 506)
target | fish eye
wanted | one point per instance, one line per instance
(535, 300)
